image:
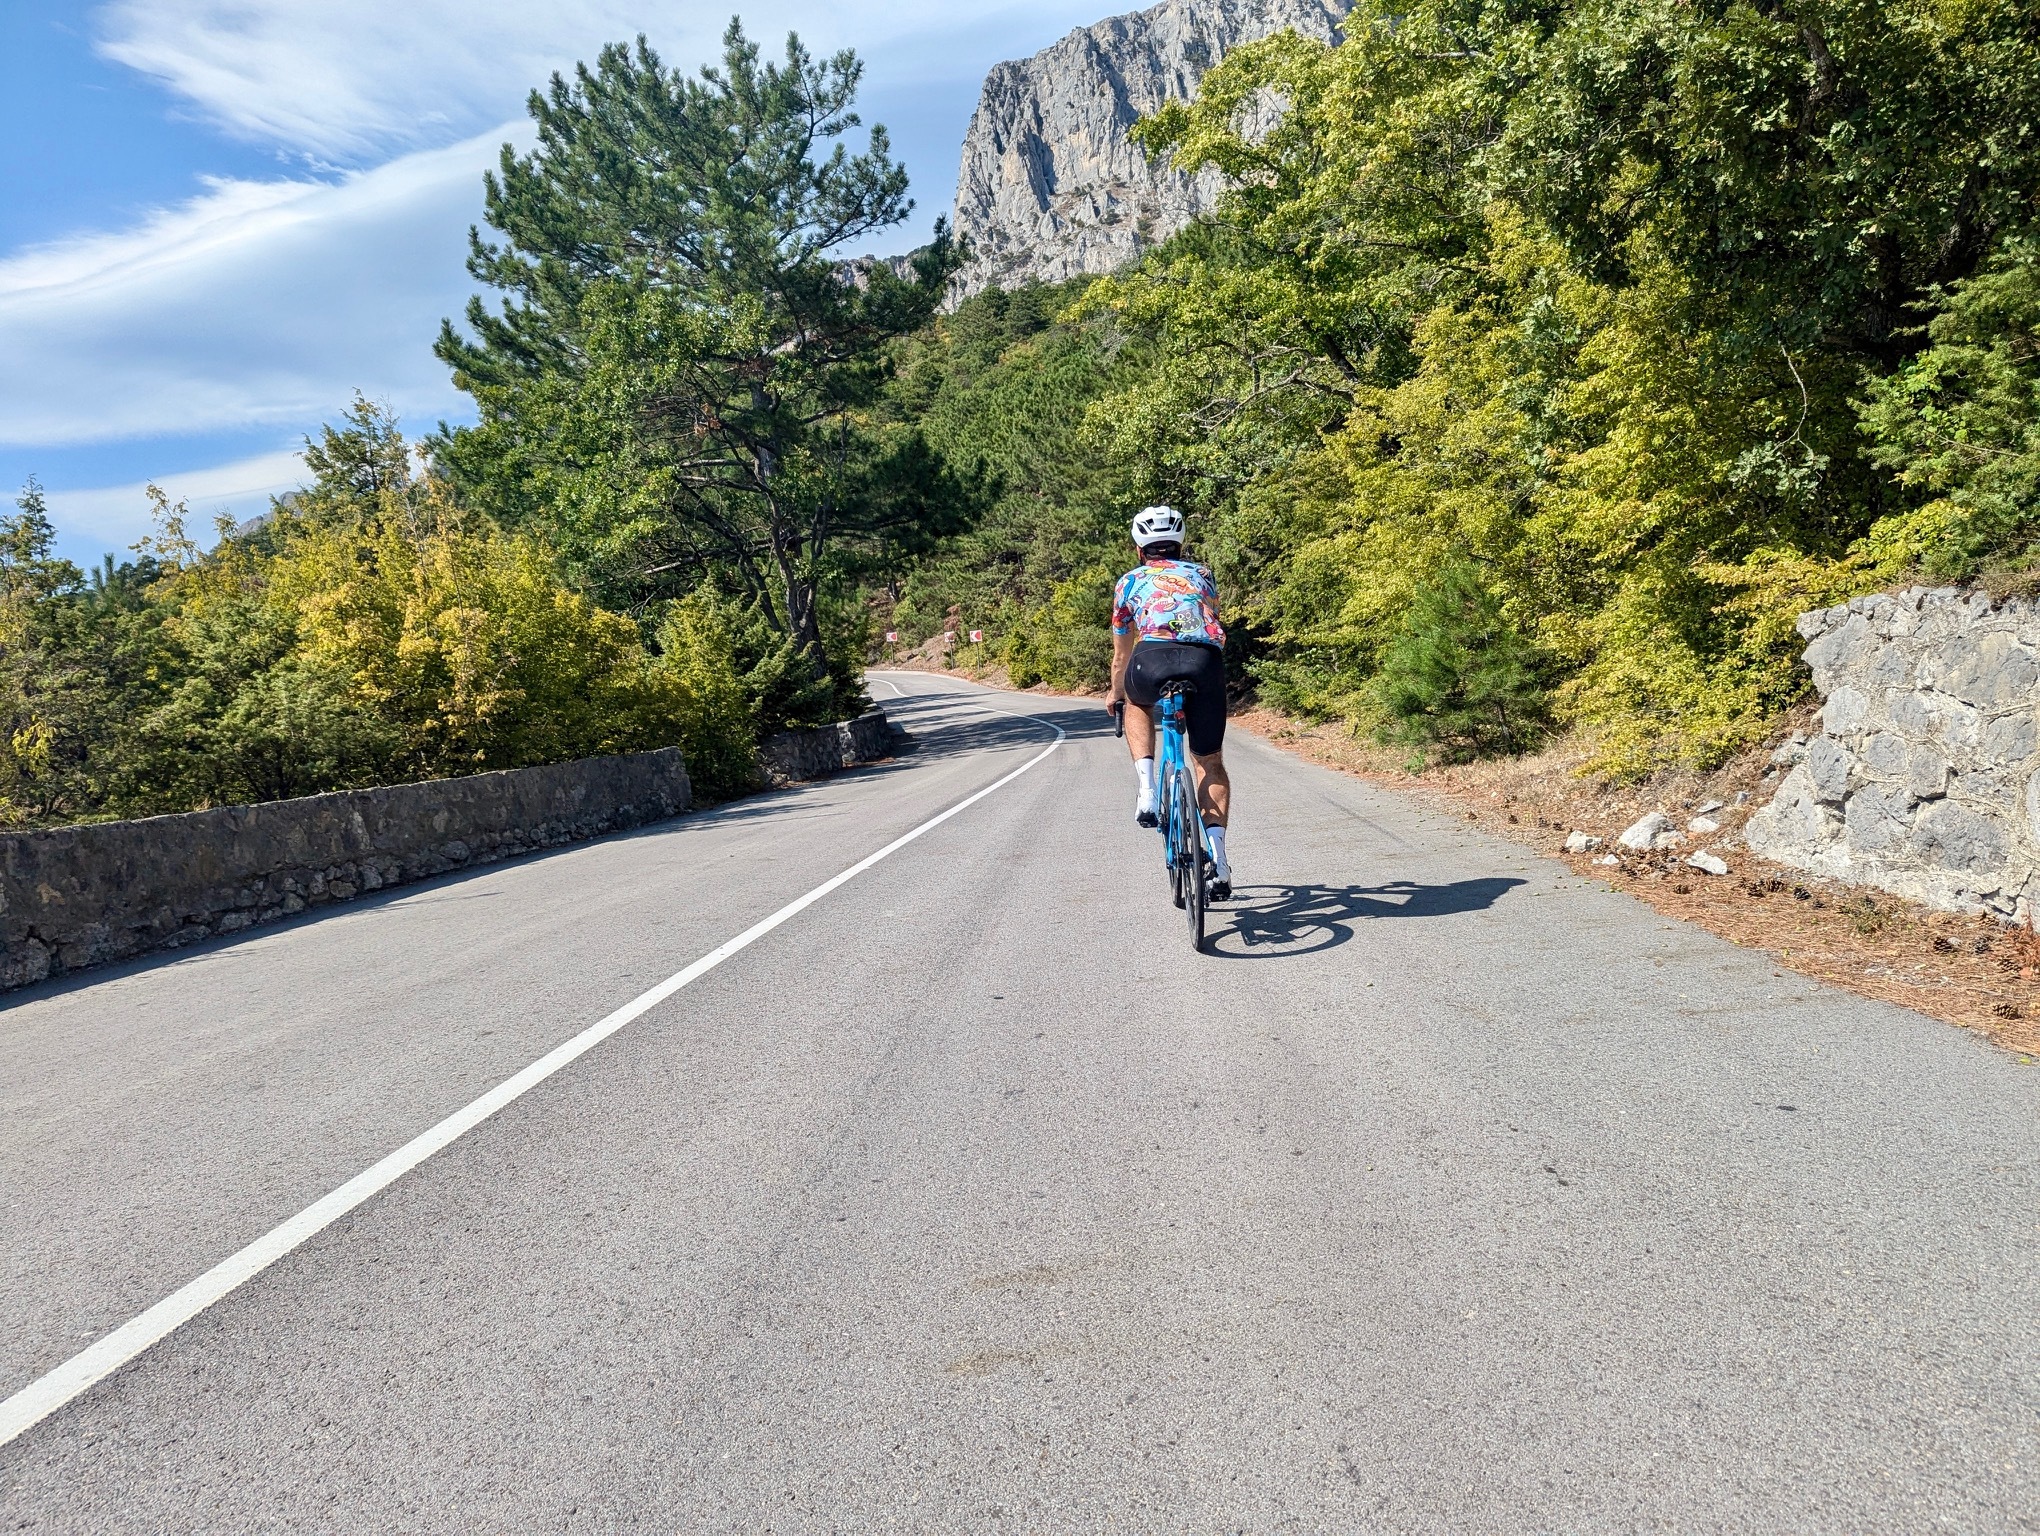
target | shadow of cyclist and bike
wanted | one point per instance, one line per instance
(1274, 922)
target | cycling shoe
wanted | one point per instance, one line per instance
(1221, 890)
(1146, 819)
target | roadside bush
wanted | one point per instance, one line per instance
(1458, 675)
(465, 641)
(719, 716)
(1067, 641)
(357, 636)
(1961, 423)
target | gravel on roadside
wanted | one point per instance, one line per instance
(1975, 972)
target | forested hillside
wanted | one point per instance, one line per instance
(1540, 366)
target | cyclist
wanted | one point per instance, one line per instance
(1165, 627)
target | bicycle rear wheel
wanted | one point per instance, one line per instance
(1191, 859)
(1172, 841)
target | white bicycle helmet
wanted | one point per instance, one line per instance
(1157, 525)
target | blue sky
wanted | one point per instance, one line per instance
(221, 217)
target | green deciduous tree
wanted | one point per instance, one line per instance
(1961, 422)
(1819, 165)
(1353, 213)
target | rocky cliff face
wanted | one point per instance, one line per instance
(1050, 186)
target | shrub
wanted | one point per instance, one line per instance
(1457, 674)
(719, 729)
(465, 641)
(1961, 422)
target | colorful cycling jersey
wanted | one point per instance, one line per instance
(1168, 600)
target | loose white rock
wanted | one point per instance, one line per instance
(1580, 842)
(1707, 807)
(1607, 858)
(1645, 832)
(1703, 860)
(1700, 826)
(1668, 840)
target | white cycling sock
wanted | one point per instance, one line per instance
(1144, 770)
(1216, 837)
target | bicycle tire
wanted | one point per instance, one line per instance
(1192, 878)
(1172, 829)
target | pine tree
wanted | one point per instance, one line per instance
(678, 381)
(1458, 675)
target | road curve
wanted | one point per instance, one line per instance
(1450, 1193)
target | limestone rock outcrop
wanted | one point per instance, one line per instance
(1050, 186)
(1924, 779)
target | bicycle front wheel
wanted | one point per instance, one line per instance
(1172, 837)
(1191, 859)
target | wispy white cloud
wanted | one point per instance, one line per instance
(263, 304)
(219, 219)
(353, 80)
(350, 81)
(114, 516)
(258, 302)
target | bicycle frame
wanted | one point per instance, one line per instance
(1172, 757)
(1179, 817)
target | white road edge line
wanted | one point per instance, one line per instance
(97, 1361)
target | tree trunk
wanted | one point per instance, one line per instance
(803, 612)
(803, 622)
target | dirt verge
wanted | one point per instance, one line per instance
(1975, 972)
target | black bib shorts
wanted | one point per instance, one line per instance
(1156, 662)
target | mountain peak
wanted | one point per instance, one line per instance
(1050, 186)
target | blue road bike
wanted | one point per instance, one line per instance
(1184, 853)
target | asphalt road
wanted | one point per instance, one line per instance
(1452, 1193)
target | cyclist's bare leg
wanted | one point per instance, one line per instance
(1214, 784)
(1140, 731)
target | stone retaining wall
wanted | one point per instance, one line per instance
(78, 896)
(1923, 779)
(792, 756)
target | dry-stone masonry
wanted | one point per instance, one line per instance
(78, 896)
(1050, 186)
(1923, 778)
(793, 756)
